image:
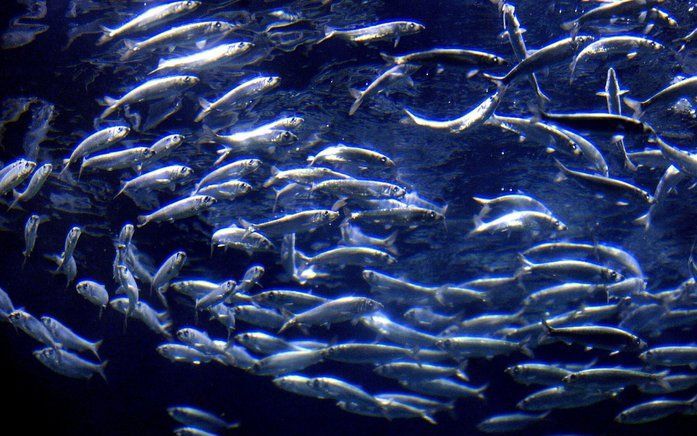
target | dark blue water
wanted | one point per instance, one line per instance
(444, 168)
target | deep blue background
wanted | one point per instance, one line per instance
(440, 167)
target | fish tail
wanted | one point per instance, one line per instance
(66, 165)
(358, 95)
(571, 26)
(121, 191)
(106, 37)
(94, 348)
(636, 106)
(101, 370)
(499, 81)
(142, 220)
(644, 220)
(388, 58)
(390, 243)
(328, 33)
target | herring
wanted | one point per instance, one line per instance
(184, 208)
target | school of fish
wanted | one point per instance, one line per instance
(184, 144)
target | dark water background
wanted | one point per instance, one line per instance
(443, 168)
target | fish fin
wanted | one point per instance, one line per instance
(644, 220)
(328, 33)
(601, 94)
(481, 200)
(635, 105)
(102, 367)
(95, 348)
(472, 73)
(526, 351)
(499, 81)
(106, 37)
(107, 101)
(631, 55)
(570, 26)
(201, 44)
(130, 44)
(390, 243)
(388, 58)
(142, 220)
(358, 95)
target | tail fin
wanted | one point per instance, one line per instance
(206, 106)
(101, 369)
(328, 33)
(358, 95)
(388, 58)
(571, 26)
(499, 81)
(526, 266)
(106, 37)
(66, 165)
(142, 220)
(644, 220)
(94, 348)
(15, 200)
(131, 49)
(636, 106)
(121, 191)
(389, 243)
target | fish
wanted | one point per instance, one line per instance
(68, 339)
(68, 364)
(392, 30)
(180, 209)
(472, 119)
(333, 311)
(456, 56)
(397, 73)
(95, 142)
(152, 17)
(654, 410)
(242, 93)
(198, 418)
(204, 60)
(36, 182)
(206, 30)
(608, 47)
(31, 229)
(545, 57)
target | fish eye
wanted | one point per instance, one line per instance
(218, 24)
(412, 25)
(573, 377)
(325, 213)
(432, 214)
(187, 79)
(383, 159)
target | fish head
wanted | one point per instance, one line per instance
(612, 275)
(434, 216)
(27, 167)
(560, 226)
(45, 354)
(121, 132)
(185, 334)
(190, 80)
(383, 370)
(190, 5)
(638, 343)
(369, 275)
(272, 82)
(388, 259)
(411, 27)
(33, 219)
(179, 257)
(581, 40)
(514, 371)
(244, 188)
(46, 168)
(119, 304)
(295, 121)
(223, 27)
(444, 344)
(397, 191)
(571, 378)
(238, 47)
(326, 216)
(654, 45)
(386, 161)
(81, 287)
(372, 305)
(176, 139)
(75, 232)
(285, 137)
(17, 316)
(411, 314)
(648, 198)
(185, 171)
(647, 355)
(228, 285)
(207, 201)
